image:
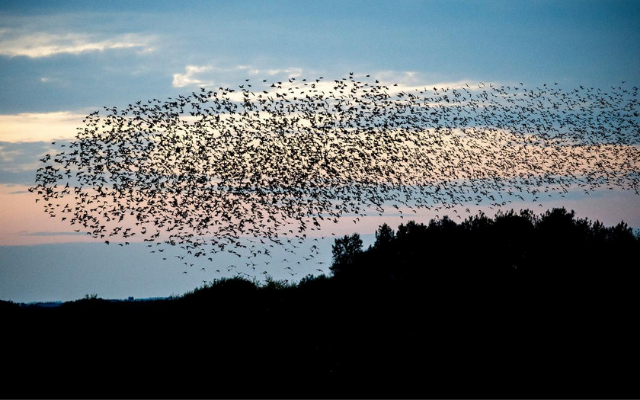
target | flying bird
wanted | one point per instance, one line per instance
(240, 170)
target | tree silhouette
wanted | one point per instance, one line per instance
(384, 236)
(345, 251)
(553, 253)
(490, 302)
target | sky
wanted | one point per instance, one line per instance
(60, 61)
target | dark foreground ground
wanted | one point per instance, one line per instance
(324, 345)
(404, 329)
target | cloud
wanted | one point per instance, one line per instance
(43, 44)
(17, 177)
(37, 127)
(412, 80)
(19, 161)
(395, 81)
(210, 74)
(49, 233)
(189, 77)
(288, 72)
(18, 153)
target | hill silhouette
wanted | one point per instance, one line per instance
(519, 305)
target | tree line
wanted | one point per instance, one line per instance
(518, 305)
(554, 253)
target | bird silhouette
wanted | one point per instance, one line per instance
(242, 170)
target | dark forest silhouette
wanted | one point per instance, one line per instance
(519, 305)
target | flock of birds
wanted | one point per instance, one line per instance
(243, 170)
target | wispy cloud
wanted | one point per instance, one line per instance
(404, 81)
(190, 76)
(44, 44)
(287, 72)
(36, 127)
(395, 80)
(16, 153)
(18, 161)
(49, 233)
(210, 74)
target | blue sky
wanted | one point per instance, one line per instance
(575, 42)
(61, 60)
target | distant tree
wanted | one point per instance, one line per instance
(557, 224)
(410, 228)
(345, 251)
(8, 305)
(477, 223)
(444, 224)
(622, 233)
(384, 236)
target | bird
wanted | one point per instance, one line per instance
(205, 171)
